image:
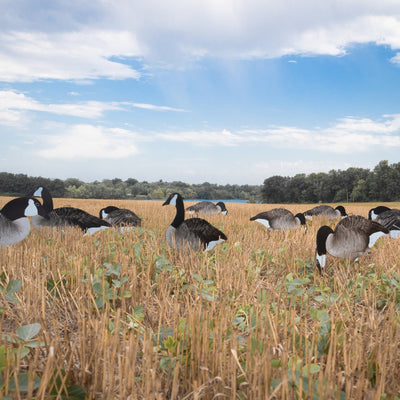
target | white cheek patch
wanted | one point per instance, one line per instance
(38, 192)
(373, 215)
(212, 244)
(173, 200)
(103, 214)
(265, 222)
(224, 212)
(321, 260)
(374, 237)
(31, 209)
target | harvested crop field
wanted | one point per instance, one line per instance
(123, 316)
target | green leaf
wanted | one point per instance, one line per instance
(314, 368)
(76, 392)
(276, 363)
(34, 344)
(27, 332)
(138, 313)
(298, 292)
(197, 277)
(110, 294)
(24, 352)
(275, 383)
(3, 353)
(14, 286)
(98, 288)
(99, 301)
(23, 383)
(11, 298)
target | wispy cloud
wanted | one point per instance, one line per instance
(153, 107)
(14, 104)
(77, 55)
(87, 142)
(346, 136)
(291, 168)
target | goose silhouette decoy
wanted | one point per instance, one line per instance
(121, 217)
(352, 237)
(387, 217)
(195, 233)
(326, 211)
(14, 221)
(65, 216)
(207, 208)
(280, 219)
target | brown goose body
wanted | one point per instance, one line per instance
(194, 233)
(325, 211)
(389, 218)
(65, 216)
(352, 237)
(207, 208)
(279, 219)
(120, 216)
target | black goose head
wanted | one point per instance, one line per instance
(106, 210)
(224, 211)
(342, 211)
(175, 199)
(374, 212)
(44, 193)
(322, 235)
(301, 218)
(23, 207)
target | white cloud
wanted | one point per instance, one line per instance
(203, 137)
(13, 106)
(257, 28)
(291, 168)
(88, 142)
(172, 33)
(346, 136)
(77, 55)
(155, 108)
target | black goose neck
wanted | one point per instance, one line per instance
(322, 235)
(47, 200)
(180, 212)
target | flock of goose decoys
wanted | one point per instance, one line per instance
(352, 237)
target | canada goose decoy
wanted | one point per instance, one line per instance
(195, 233)
(279, 219)
(374, 212)
(14, 224)
(326, 211)
(208, 208)
(65, 216)
(387, 217)
(121, 217)
(352, 237)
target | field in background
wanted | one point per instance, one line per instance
(122, 316)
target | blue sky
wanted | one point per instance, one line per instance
(218, 91)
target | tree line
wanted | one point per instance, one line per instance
(20, 185)
(337, 186)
